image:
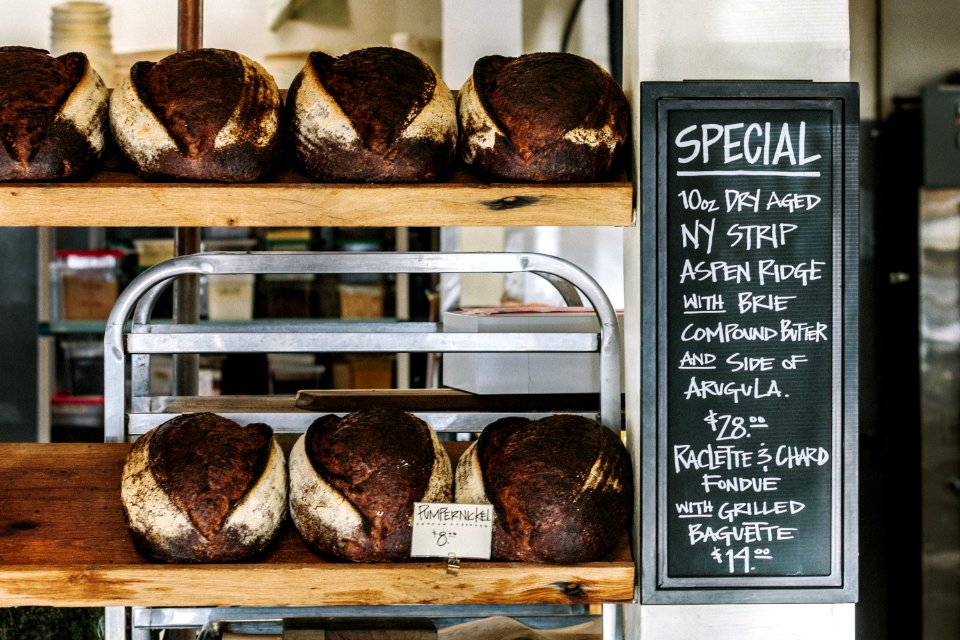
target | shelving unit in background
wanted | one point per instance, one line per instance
(64, 417)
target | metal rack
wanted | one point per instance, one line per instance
(131, 339)
(140, 338)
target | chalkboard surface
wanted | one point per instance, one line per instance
(751, 258)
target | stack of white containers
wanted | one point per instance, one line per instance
(84, 26)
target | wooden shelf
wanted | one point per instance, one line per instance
(117, 198)
(63, 542)
(344, 400)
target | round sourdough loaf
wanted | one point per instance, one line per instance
(549, 117)
(353, 482)
(201, 488)
(53, 114)
(205, 114)
(561, 487)
(372, 115)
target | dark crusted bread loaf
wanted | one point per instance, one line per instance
(206, 114)
(53, 114)
(561, 487)
(542, 117)
(353, 482)
(372, 115)
(201, 488)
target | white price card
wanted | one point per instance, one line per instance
(441, 529)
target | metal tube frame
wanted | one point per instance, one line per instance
(138, 297)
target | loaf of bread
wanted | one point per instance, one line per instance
(205, 114)
(201, 488)
(372, 115)
(53, 115)
(353, 482)
(561, 487)
(549, 117)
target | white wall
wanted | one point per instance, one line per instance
(744, 40)
(918, 39)
(863, 54)
(241, 25)
(335, 26)
(919, 44)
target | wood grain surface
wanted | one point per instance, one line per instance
(443, 400)
(339, 400)
(118, 198)
(64, 542)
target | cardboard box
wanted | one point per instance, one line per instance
(88, 298)
(86, 283)
(358, 301)
(364, 372)
(493, 373)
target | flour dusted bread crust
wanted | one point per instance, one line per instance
(561, 487)
(541, 117)
(373, 115)
(353, 482)
(205, 114)
(201, 488)
(53, 115)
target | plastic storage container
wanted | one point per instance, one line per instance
(83, 366)
(361, 301)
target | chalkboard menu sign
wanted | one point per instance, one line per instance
(749, 289)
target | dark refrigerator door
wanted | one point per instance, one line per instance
(18, 334)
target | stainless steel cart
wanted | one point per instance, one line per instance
(132, 337)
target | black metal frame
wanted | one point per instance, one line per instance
(657, 99)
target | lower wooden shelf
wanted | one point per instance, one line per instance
(63, 542)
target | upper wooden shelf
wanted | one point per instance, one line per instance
(64, 542)
(115, 197)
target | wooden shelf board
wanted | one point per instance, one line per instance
(340, 400)
(443, 400)
(117, 198)
(63, 542)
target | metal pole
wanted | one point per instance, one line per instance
(186, 303)
(186, 293)
(190, 25)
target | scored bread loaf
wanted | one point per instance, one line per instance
(53, 114)
(561, 487)
(201, 488)
(373, 115)
(205, 114)
(353, 482)
(548, 117)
